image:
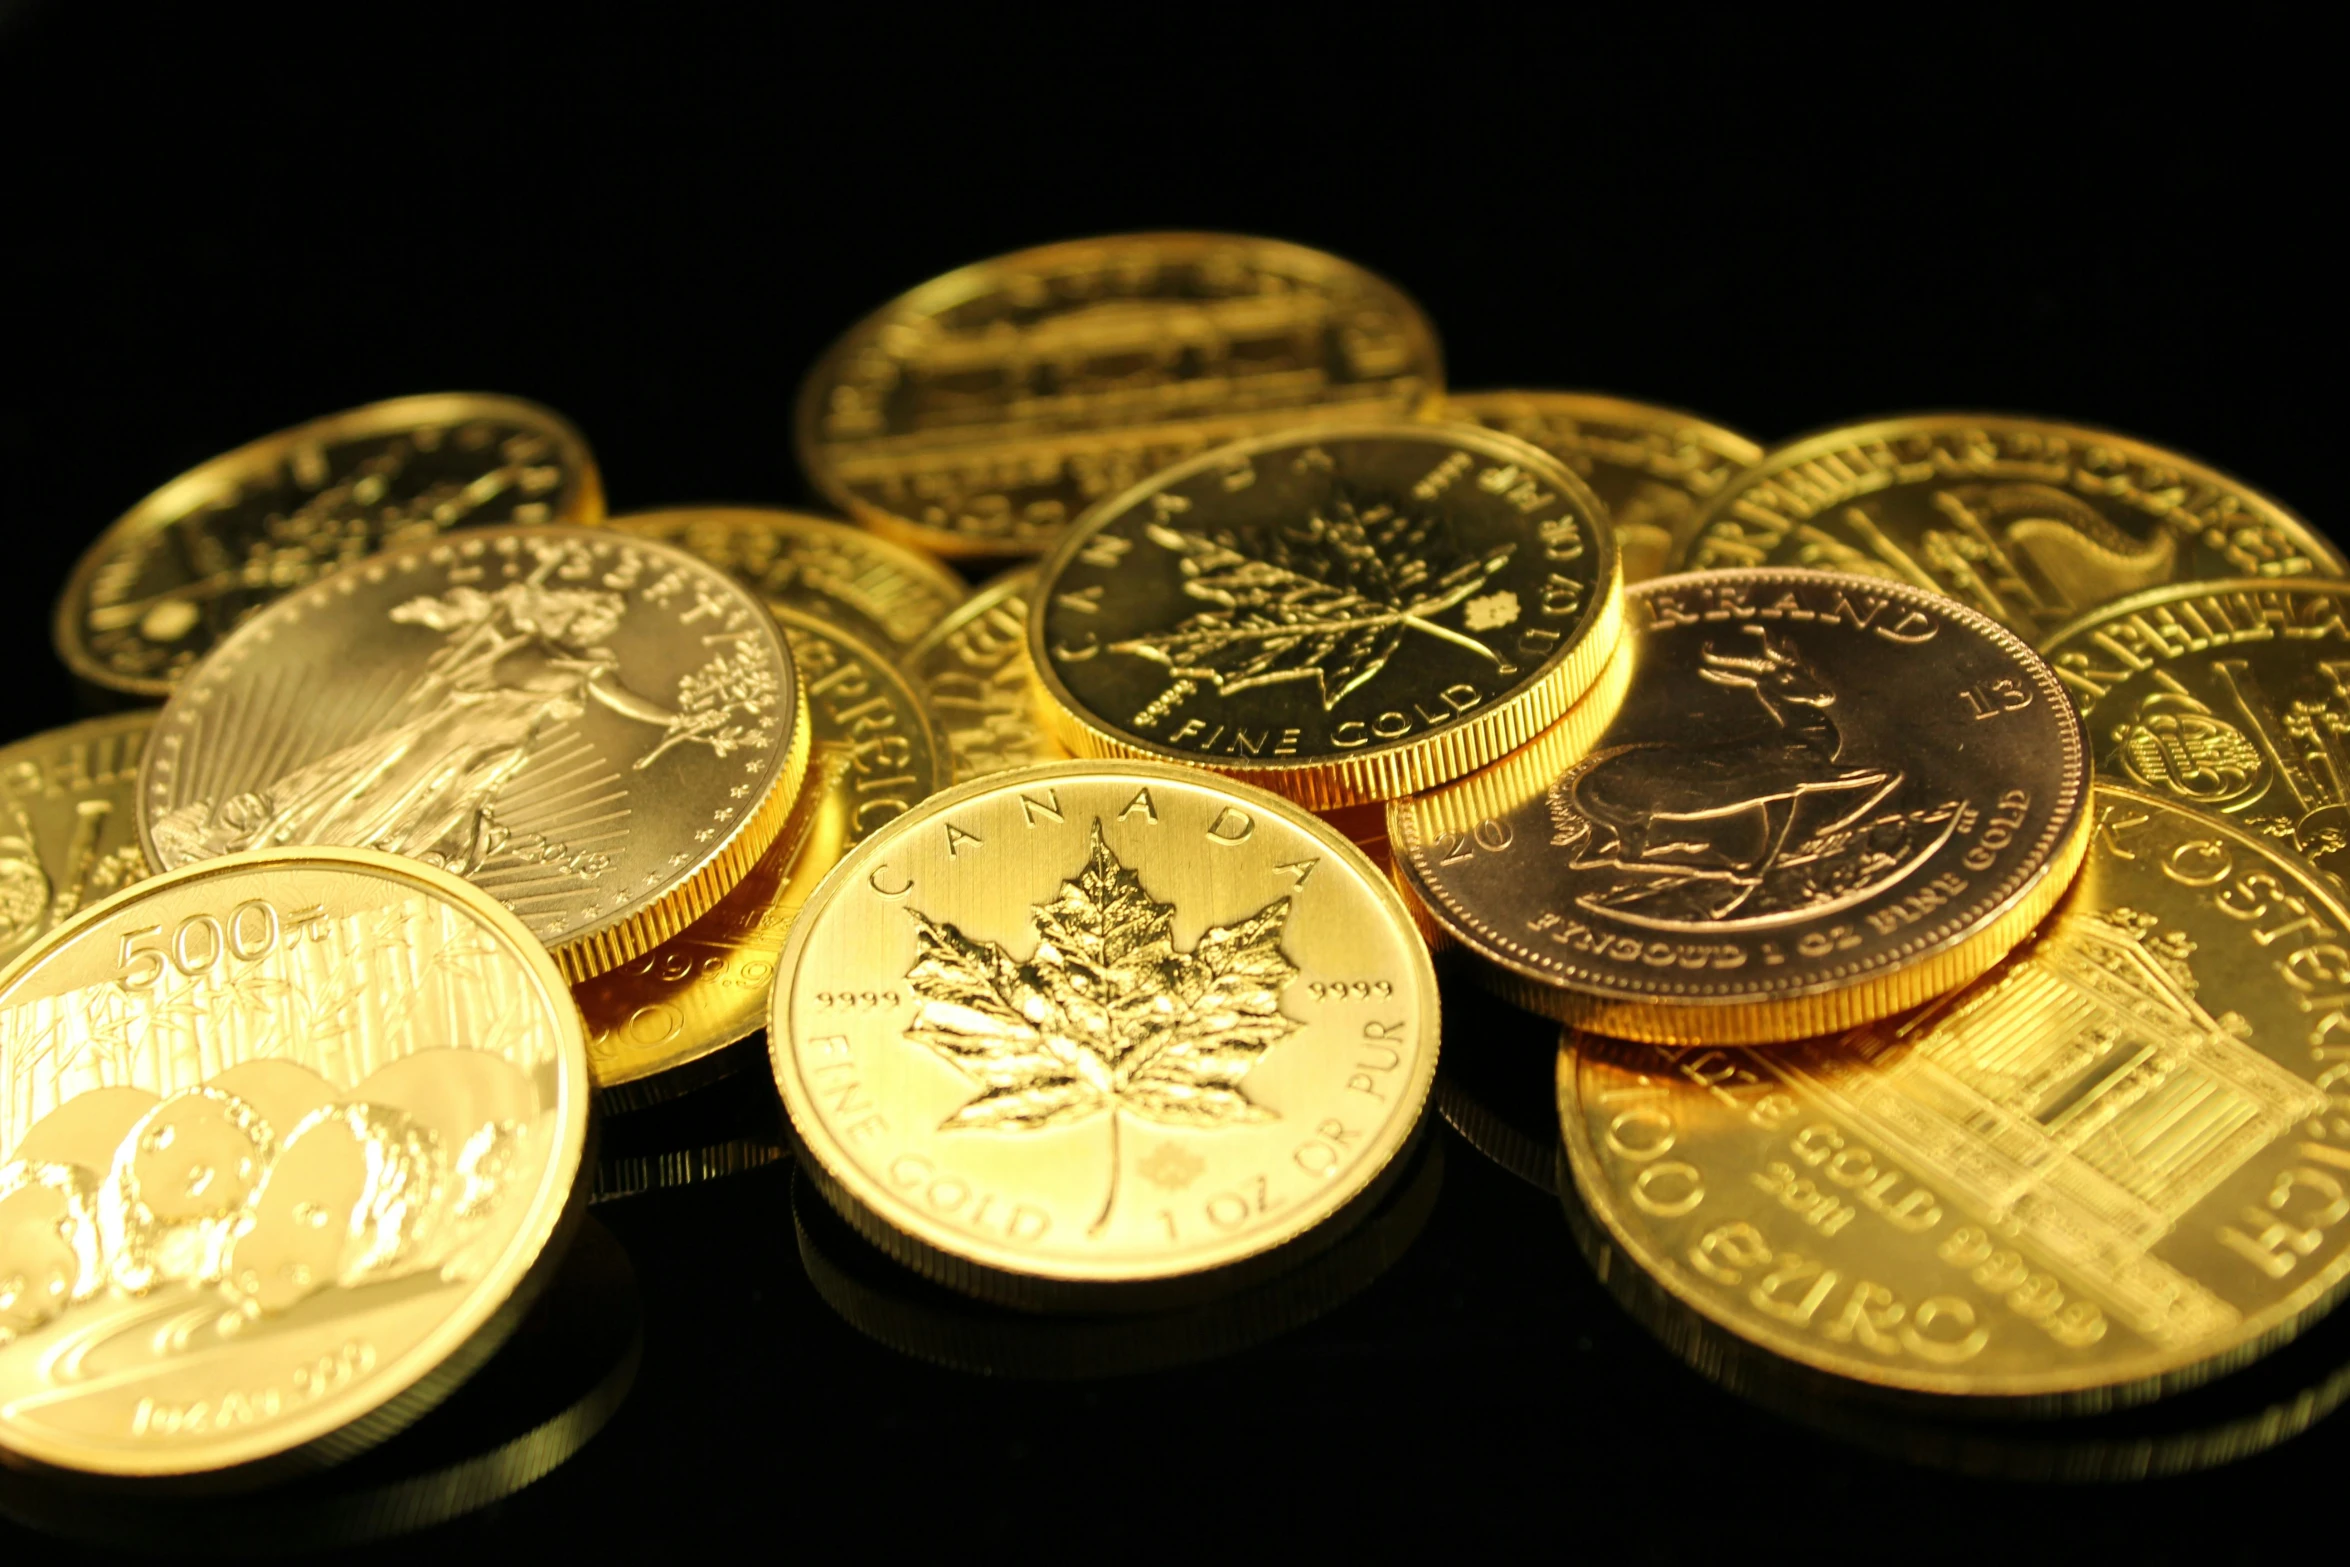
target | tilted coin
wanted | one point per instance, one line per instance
(2226, 696)
(1057, 1036)
(981, 412)
(872, 759)
(1653, 468)
(1822, 799)
(2030, 522)
(289, 1139)
(182, 568)
(2113, 1165)
(69, 823)
(889, 595)
(978, 685)
(1339, 615)
(600, 731)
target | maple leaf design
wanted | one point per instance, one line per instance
(1327, 600)
(1106, 1016)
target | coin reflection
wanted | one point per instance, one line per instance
(533, 1408)
(725, 1128)
(899, 1309)
(1494, 1084)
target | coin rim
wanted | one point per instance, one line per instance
(979, 1267)
(2269, 1329)
(482, 1311)
(625, 933)
(1388, 769)
(176, 496)
(1779, 457)
(1824, 1003)
(783, 522)
(967, 282)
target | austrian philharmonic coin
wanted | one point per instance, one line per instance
(2112, 1165)
(978, 685)
(288, 1137)
(182, 568)
(1654, 469)
(1338, 615)
(2031, 523)
(1060, 1036)
(980, 413)
(1822, 799)
(882, 592)
(872, 758)
(69, 823)
(2225, 696)
(600, 731)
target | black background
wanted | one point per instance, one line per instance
(213, 226)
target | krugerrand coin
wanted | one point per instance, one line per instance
(2032, 523)
(2226, 696)
(885, 593)
(872, 759)
(291, 1140)
(978, 685)
(598, 730)
(1338, 615)
(182, 568)
(1822, 799)
(1101, 1036)
(980, 413)
(2112, 1166)
(69, 823)
(1654, 469)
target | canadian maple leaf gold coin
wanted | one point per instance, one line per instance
(2113, 1165)
(2030, 522)
(978, 685)
(979, 414)
(1339, 615)
(2231, 697)
(1819, 799)
(601, 731)
(290, 1140)
(878, 590)
(1654, 469)
(185, 566)
(656, 1017)
(69, 823)
(1092, 1033)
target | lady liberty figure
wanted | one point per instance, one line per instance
(517, 663)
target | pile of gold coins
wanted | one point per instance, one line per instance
(1928, 834)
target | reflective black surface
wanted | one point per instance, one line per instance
(213, 227)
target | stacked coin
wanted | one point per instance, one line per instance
(1092, 915)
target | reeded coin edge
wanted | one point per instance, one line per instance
(961, 1261)
(582, 506)
(326, 1430)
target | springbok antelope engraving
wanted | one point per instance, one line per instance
(1724, 812)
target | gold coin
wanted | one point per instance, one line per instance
(1057, 1035)
(289, 1139)
(184, 567)
(2227, 696)
(872, 759)
(885, 593)
(978, 685)
(69, 823)
(1654, 469)
(600, 731)
(1338, 614)
(980, 413)
(2031, 523)
(1822, 799)
(2112, 1166)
